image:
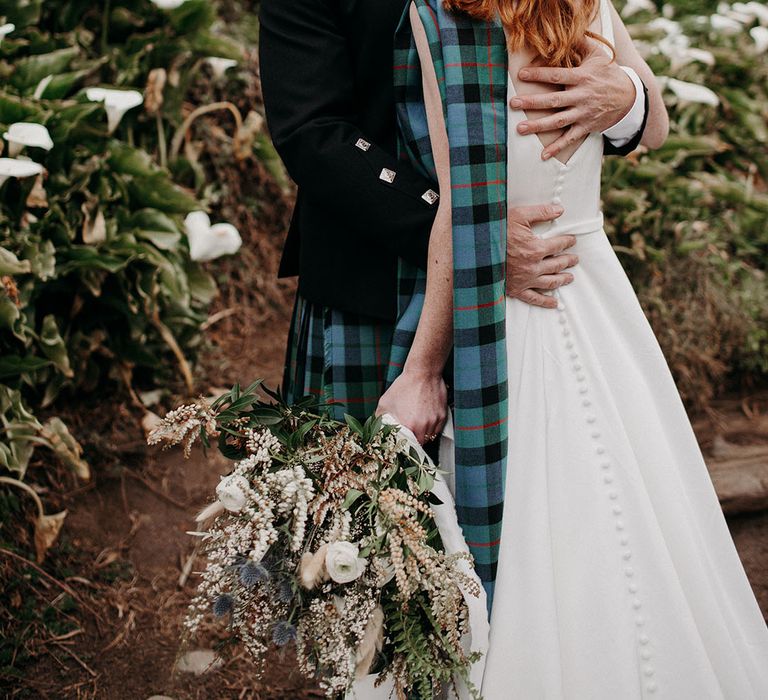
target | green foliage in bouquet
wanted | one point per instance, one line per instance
(97, 276)
(691, 218)
(324, 534)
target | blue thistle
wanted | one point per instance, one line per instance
(284, 591)
(283, 633)
(223, 604)
(252, 573)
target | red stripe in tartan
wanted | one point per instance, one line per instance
(483, 544)
(405, 66)
(470, 185)
(481, 427)
(474, 65)
(434, 18)
(487, 304)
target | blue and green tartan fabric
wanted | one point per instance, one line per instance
(339, 357)
(470, 60)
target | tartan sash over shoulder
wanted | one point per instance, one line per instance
(470, 60)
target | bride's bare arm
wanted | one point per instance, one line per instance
(657, 126)
(418, 397)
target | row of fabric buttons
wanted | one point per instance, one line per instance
(613, 496)
(387, 175)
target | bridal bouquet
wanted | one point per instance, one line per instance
(323, 535)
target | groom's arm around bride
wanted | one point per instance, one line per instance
(326, 69)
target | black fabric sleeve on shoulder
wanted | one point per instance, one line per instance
(309, 97)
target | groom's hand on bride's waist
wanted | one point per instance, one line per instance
(535, 265)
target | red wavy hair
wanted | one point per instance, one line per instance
(554, 29)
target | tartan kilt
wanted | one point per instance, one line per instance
(339, 357)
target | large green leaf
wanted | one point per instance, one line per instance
(54, 347)
(29, 71)
(157, 227)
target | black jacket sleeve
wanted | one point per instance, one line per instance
(309, 98)
(610, 150)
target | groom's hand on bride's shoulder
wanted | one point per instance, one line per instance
(589, 98)
(535, 265)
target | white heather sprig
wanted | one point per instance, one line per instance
(182, 426)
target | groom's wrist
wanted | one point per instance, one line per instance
(627, 127)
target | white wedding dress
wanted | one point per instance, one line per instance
(618, 578)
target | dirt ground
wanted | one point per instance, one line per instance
(125, 537)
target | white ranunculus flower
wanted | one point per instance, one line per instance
(690, 92)
(116, 103)
(343, 562)
(21, 134)
(168, 4)
(207, 242)
(219, 65)
(760, 35)
(17, 167)
(232, 491)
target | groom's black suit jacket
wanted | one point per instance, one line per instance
(327, 80)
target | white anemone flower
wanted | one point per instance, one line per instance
(690, 92)
(21, 134)
(760, 35)
(168, 4)
(725, 25)
(634, 6)
(219, 65)
(116, 103)
(207, 241)
(5, 30)
(17, 167)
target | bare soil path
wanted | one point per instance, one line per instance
(126, 545)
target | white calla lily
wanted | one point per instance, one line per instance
(168, 4)
(21, 134)
(219, 65)
(634, 6)
(207, 241)
(690, 92)
(669, 26)
(757, 9)
(18, 167)
(760, 36)
(677, 48)
(116, 102)
(5, 30)
(725, 25)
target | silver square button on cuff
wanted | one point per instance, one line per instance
(387, 175)
(430, 196)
